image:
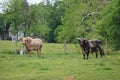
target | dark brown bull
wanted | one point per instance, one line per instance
(92, 46)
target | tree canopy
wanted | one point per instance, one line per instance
(63, 20)
(109, 24)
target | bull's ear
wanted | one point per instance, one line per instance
(85, 41)
(30, 40)
(26, 40)
(78, 38)
(23, 39)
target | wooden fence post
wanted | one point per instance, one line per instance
(65, 47)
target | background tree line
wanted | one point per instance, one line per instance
(63, 20)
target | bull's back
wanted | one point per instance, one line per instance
(37, 42)
(95, 43)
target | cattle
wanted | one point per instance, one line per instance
(32, 44)
(90, 46)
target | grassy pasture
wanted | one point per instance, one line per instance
(55, 65)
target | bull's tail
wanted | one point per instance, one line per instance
(100, 45)
(101, 51)
(41, 45)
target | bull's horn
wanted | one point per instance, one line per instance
(78, 38)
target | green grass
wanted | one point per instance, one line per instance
(55, 65)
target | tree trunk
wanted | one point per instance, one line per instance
(16, 44)
(65, 47)
(106, 46)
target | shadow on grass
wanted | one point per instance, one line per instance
(107, 68)
(10, 52)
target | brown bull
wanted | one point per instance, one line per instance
(92, 46)
(32, 44)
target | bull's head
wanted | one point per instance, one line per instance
(23, 41)
(82, 41)
(26, 40)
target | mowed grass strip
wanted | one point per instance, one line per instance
(55, 65)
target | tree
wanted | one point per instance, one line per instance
(38, 25)
(52, 13)
(13, 13)
(26, 20)
(80, 19)
(5, 26)
(70, 21)
(109, 24)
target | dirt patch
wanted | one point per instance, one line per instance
(69, 78)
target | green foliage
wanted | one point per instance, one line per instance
(25, 18)
(79, 20)
(71, 21)
(52, 14)
(110, 24)
(64, 20)
(14, 14)
(38, 24)
(39, 19)
(1, 24)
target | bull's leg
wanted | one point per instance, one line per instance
(96, 55)
(101, 54)
(96, 52)
(26, 52)
(87, 55)
(101, 51)
(39, 52)
(29, 52)
(83, 56)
